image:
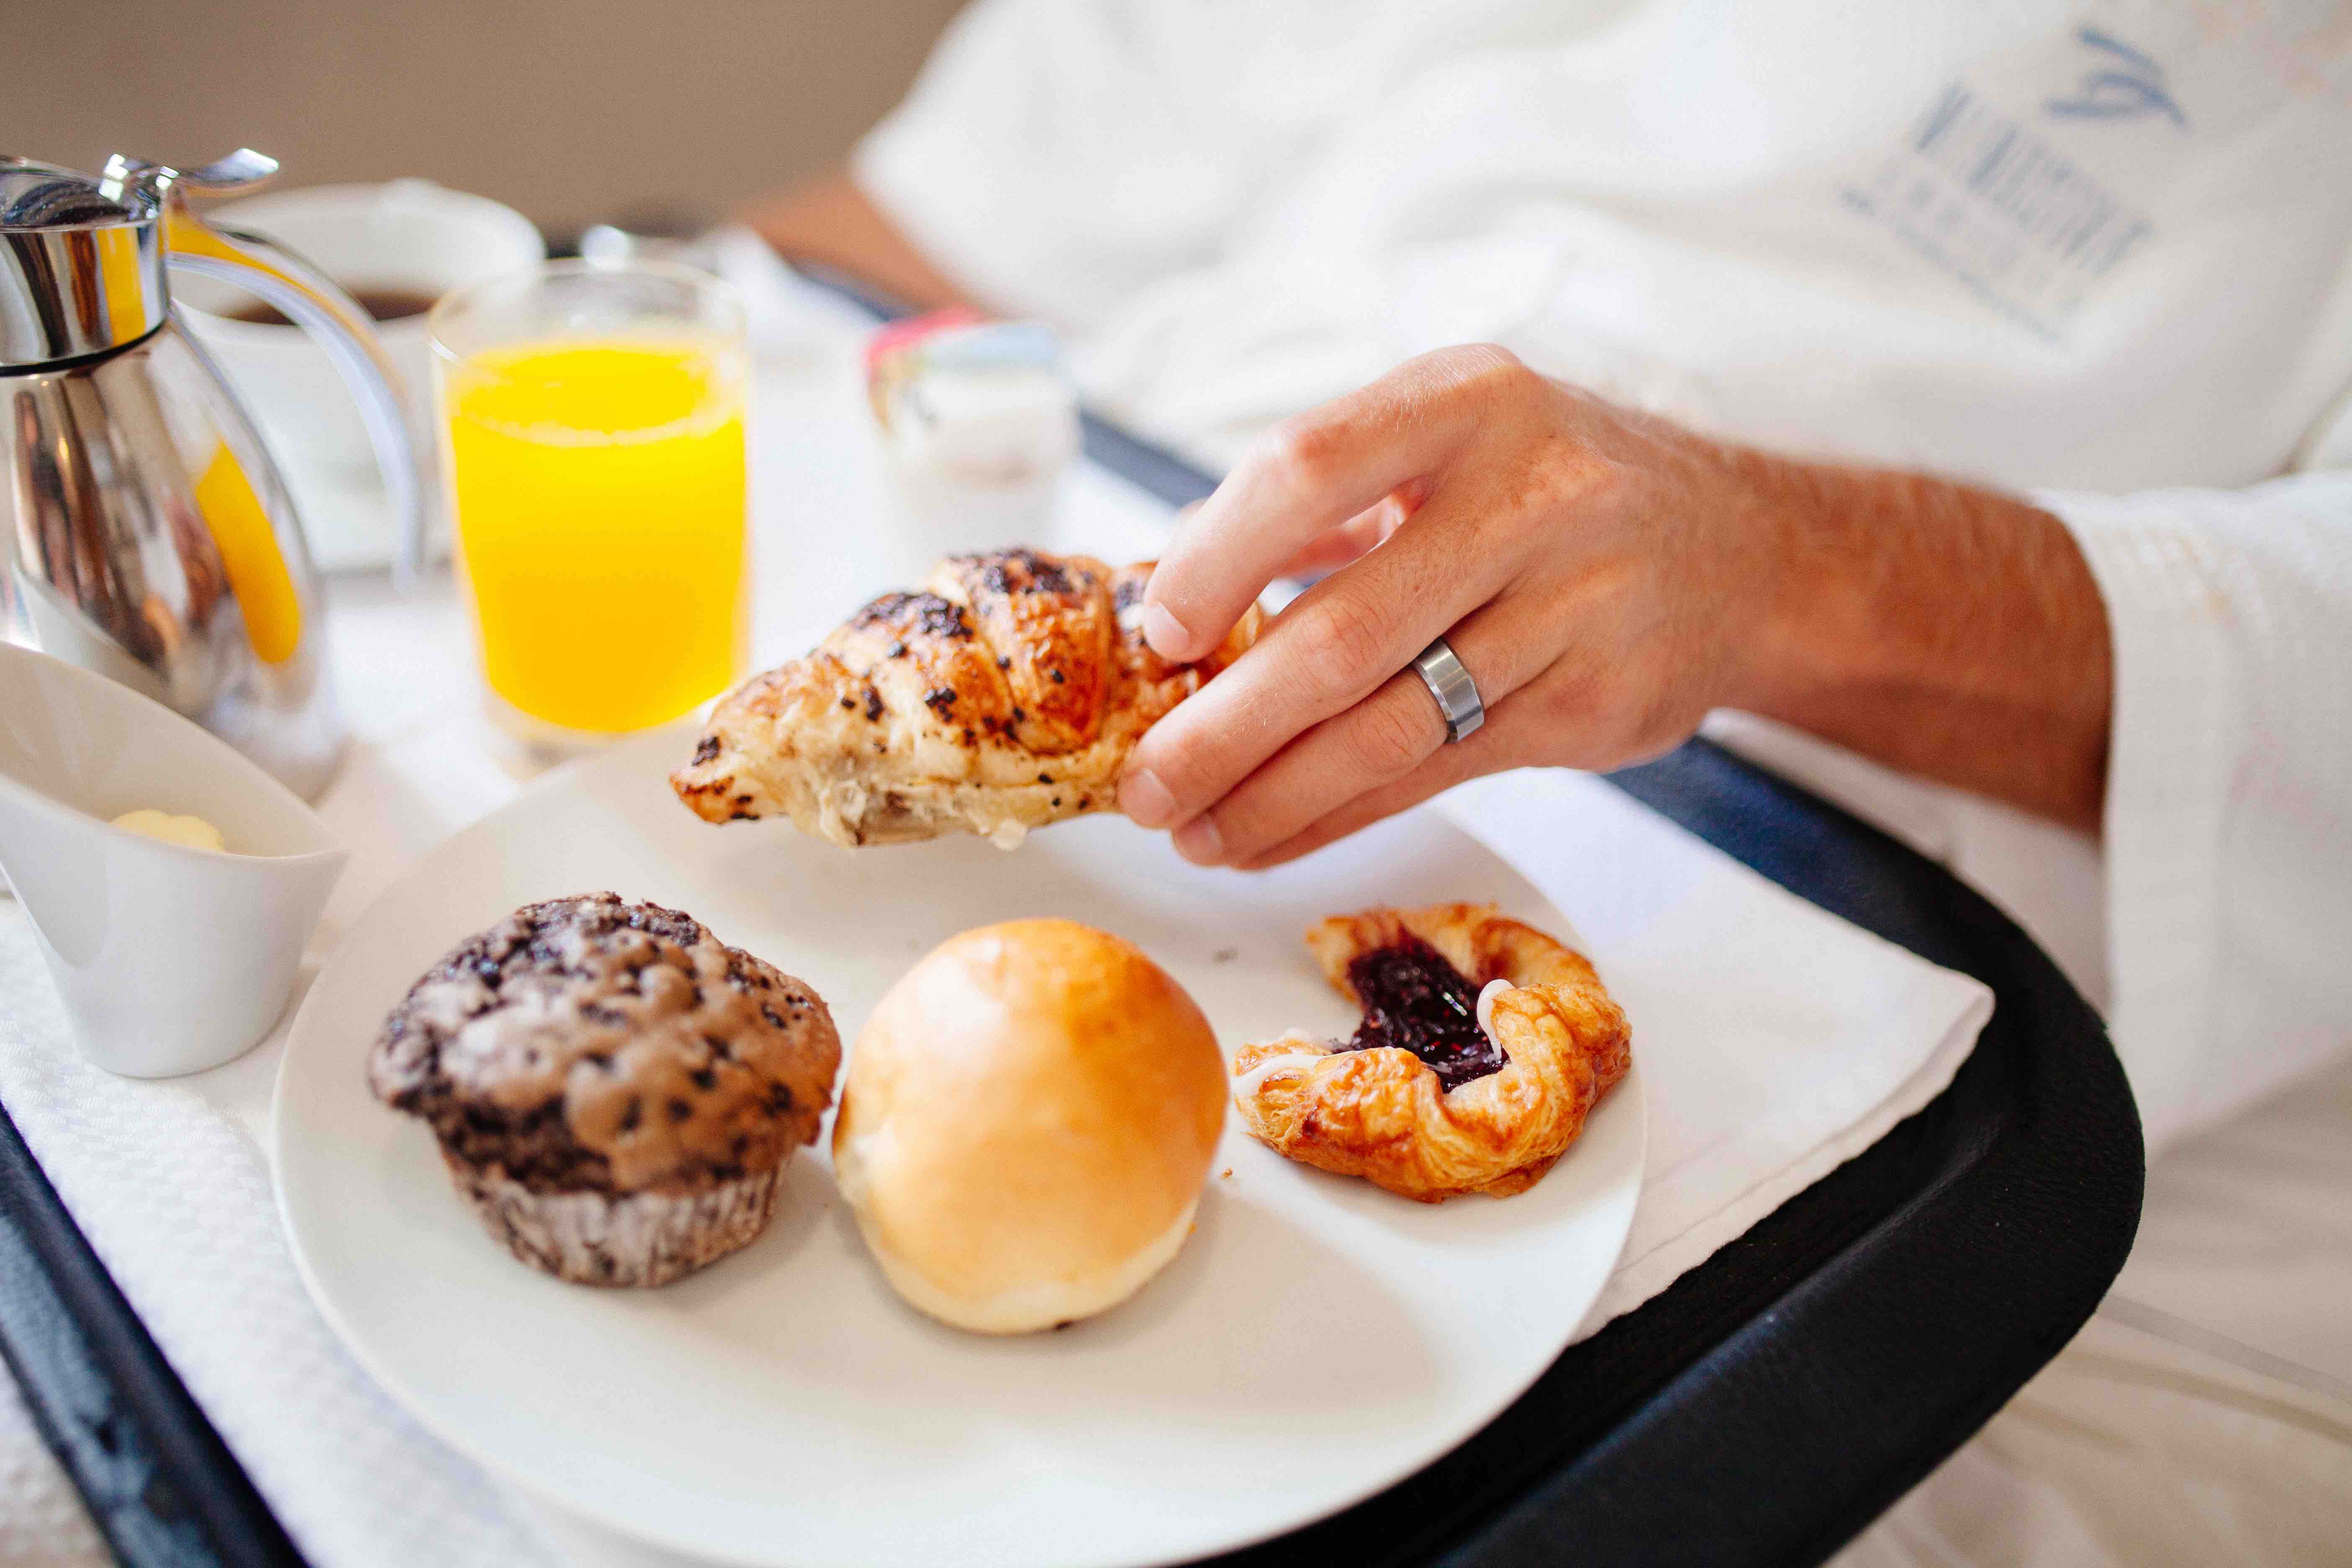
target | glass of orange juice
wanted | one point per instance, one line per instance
(591, 422)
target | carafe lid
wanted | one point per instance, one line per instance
(81, 260)
(42, 195)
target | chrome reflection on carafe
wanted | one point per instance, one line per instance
(147, 535)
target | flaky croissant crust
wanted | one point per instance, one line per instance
(1382, 1115)
(1004, 694)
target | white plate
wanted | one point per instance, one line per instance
(1316, 1339)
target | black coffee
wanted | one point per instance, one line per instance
(382, 304)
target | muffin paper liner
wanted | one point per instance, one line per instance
(630, 1238)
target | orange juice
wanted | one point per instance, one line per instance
(599, 489)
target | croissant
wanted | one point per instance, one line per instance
(1003, 695)
(1484, 1045)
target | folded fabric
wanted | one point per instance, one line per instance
(177, 1202)
(1798, 1039)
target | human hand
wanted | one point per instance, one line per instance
(1601, 573)
(1606, 578)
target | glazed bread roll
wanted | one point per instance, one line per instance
(1028, 1120)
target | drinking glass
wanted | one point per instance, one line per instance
(591, 422)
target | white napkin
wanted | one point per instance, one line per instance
(1819, 1036)
(176, 1200)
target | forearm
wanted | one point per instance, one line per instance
(833, 223)
(1946, 630)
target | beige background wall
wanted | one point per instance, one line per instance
(571, 109)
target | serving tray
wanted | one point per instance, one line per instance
(1761, 1410)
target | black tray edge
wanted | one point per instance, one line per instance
(158, 1480)
(1947, 1264)
(2030, 1215)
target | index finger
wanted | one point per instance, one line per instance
(1310, 474)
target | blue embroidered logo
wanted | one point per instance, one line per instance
(2122, 84)
(1995, 203)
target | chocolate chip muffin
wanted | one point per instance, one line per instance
(614, 1088)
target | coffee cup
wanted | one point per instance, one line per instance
(397, 247)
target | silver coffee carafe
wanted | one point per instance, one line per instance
(144, 531)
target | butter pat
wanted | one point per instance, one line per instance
(192, 832)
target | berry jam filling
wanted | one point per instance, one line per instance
(1413, 999)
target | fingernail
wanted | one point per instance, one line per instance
(1200, 842)
(1144, 799)
(1163, 631)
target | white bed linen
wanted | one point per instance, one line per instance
(2205, 1415)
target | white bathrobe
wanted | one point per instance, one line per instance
(2100, 255)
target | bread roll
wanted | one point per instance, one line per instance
(1028, 1120)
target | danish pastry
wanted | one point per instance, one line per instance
(1484, 1046)
(1003, 696)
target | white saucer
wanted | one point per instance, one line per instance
(1316, 1339)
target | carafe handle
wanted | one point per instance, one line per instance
(260, 264)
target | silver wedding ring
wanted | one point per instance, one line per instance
(1450, 683)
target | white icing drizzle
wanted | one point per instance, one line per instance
(1493, 989)
(1248, 1083)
